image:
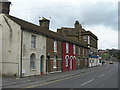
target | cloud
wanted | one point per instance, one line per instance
(105, 14)
(100, 16)
(108, 38)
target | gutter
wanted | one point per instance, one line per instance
(21, 53)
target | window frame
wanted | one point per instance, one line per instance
(33, 41)
(55, 46)
(55, 62)
(67, 47)
(74, 49)
(32, 61)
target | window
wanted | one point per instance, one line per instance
(83, 52)
(74, 49)
(79, 51)
(33, 41)
(79, 61)
(66, 59)
(55, 46)
(85, 38)
(88, 39)
(32, 61)
(54, 62)
(67, 48)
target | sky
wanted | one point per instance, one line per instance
(97, 16)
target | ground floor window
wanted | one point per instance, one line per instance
(32, 61)
(54, 62)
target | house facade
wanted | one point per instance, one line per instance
(22, 50)
(69, 56)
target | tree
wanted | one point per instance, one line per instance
(118, 55)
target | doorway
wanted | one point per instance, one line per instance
(42, 64)
(71, 59)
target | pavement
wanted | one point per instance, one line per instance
(10, 82)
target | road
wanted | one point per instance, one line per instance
(106, 77)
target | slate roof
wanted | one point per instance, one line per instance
(39, 30)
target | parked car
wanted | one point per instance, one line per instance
(111, 62)
(103, 62)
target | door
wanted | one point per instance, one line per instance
(71, 62)
(42, 64)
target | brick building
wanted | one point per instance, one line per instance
(87, 38)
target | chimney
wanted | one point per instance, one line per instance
(5, 6)
(77, 25)
(44, 23)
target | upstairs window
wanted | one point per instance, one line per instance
(67, 48)
(79, 51)
(85, 38)
(83, 52)
(55, 46)
(74, 49)
(88, 39)
(33, 41)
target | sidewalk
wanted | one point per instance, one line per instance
(46, 78)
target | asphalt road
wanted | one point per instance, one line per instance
(106, 77)
(102, 78)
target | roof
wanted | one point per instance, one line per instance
(39, 30)
(4, 1)
(89, 33)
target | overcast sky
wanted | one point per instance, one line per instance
(98, 16)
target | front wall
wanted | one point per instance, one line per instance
(70, 53)
(0, 45)
(11, 43)
(38, 51)
(50, 52)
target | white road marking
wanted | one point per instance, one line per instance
(88, 81)
(101, 75)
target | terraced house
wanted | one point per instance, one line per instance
(28, 49)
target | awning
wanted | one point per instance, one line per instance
(94, 56)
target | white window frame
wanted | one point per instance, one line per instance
(55, 46)
(74, 51)
(55, 62)
(88, 39)
(67, 47)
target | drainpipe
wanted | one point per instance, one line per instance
(21, 54)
